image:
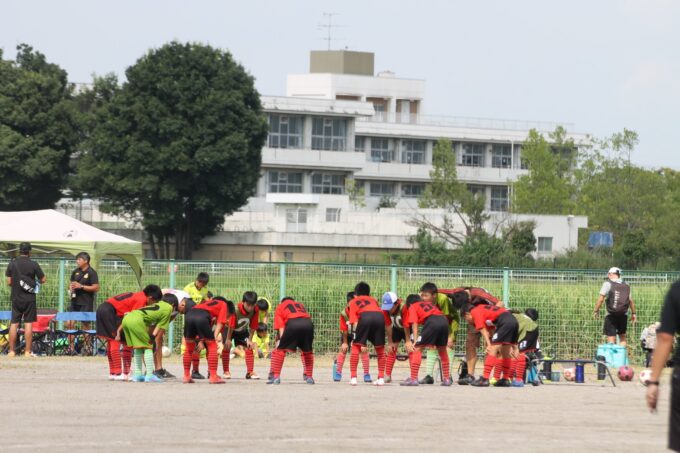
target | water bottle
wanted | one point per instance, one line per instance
(335, 368)
(580, 378)
(37, 288)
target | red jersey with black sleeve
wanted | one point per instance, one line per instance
(477, 295)
(241, 320)
(344, 320)
(361, 304)
(485, 315)
(419, 311)
(216, 308)
(127, 302)
(287, 310)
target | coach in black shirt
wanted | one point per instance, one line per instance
(82, 288)
(670, 325)
(23, 275)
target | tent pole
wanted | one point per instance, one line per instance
(60, 287)
(171, 328)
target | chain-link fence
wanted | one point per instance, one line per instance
(564, 298)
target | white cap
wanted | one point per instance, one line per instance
(615, 270)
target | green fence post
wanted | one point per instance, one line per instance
(171, 329)
(506, 287)
(282, 280)
(61, 287)
(393, 283)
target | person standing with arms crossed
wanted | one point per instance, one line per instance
(24, 276)
(670, 325)
(616, 293)
(82, 288)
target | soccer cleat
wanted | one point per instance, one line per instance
(447, 382)
(409, 382)
(112, 377)
(309, 380)
(138, 378)
(367, 378)
(502, 383)
(518, 383)
(120, 377)
(379, 382)
(353, 381)
(426, 380)
(252, 376)
(388, 379)
(196, 375)
(492, 381)
(274, 380)
(467, 380)
(187, 379)
(536, 383)
(337, 376)
(480, 382)
(226, 375)
(165, 374)
(271, 375)
(216, 380)
(152, 378)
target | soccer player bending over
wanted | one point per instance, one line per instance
(295, 330)
(346, 343)
(368, 324)
(396, 313)
(242, 328)
(430, 293)
(136, 324)
(435, 334)
(527, 342)
(201, 323)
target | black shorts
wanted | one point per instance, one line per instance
(78, 306)
(197, 324)
(240, 338)
(27, 311)
(298, 333)
(371, 327)
(435, 332)
(674, 428)
(507, 329)
(529, 342)
(398, 335)
(615, 324)
(107, 321)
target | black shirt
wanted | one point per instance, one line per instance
(670, 315)
(88, 277)
(25, 274)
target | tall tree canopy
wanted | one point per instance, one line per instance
(39, 131)
(178, 147)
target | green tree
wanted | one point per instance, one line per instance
(178, 146)
(549, 187)
(39, 130)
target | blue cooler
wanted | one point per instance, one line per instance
(615, 355)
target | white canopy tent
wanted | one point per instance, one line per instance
(51, 230)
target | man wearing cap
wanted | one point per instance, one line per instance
(616, 293)
(24, 276)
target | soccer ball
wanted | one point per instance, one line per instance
(645, 376)
(569, 374)
(166, 351)
(626, 373)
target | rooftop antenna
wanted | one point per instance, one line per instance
(329, 26)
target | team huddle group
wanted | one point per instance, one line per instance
(133, 323)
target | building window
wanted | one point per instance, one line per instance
(332, 214)
(473, 155)
(499, 199)
(413, 151)
(287, 256)
(380, 189)
(285, 131)
(296, 220)
(544, 245)
(412, 190)
(501, 156)
(477, 190)
(359, 143)
(329, 134)
(285, 182)
(328, 183)
(380, 150)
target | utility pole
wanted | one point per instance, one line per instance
(328, 25)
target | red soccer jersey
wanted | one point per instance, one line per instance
(344, 319)
(362, 304)
(242, 318)
(287, 310)
(419, 311)
(477, 295)
(216, 308)
(484, 315)
(126, 302)
(398, 320)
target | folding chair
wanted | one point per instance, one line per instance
(80, 335)
(4, 331)
(41, 344)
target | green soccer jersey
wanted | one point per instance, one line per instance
(526, 324)
(136, 323)
(446, 307)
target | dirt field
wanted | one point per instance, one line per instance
(66, 404)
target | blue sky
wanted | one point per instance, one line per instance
(602, 65)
